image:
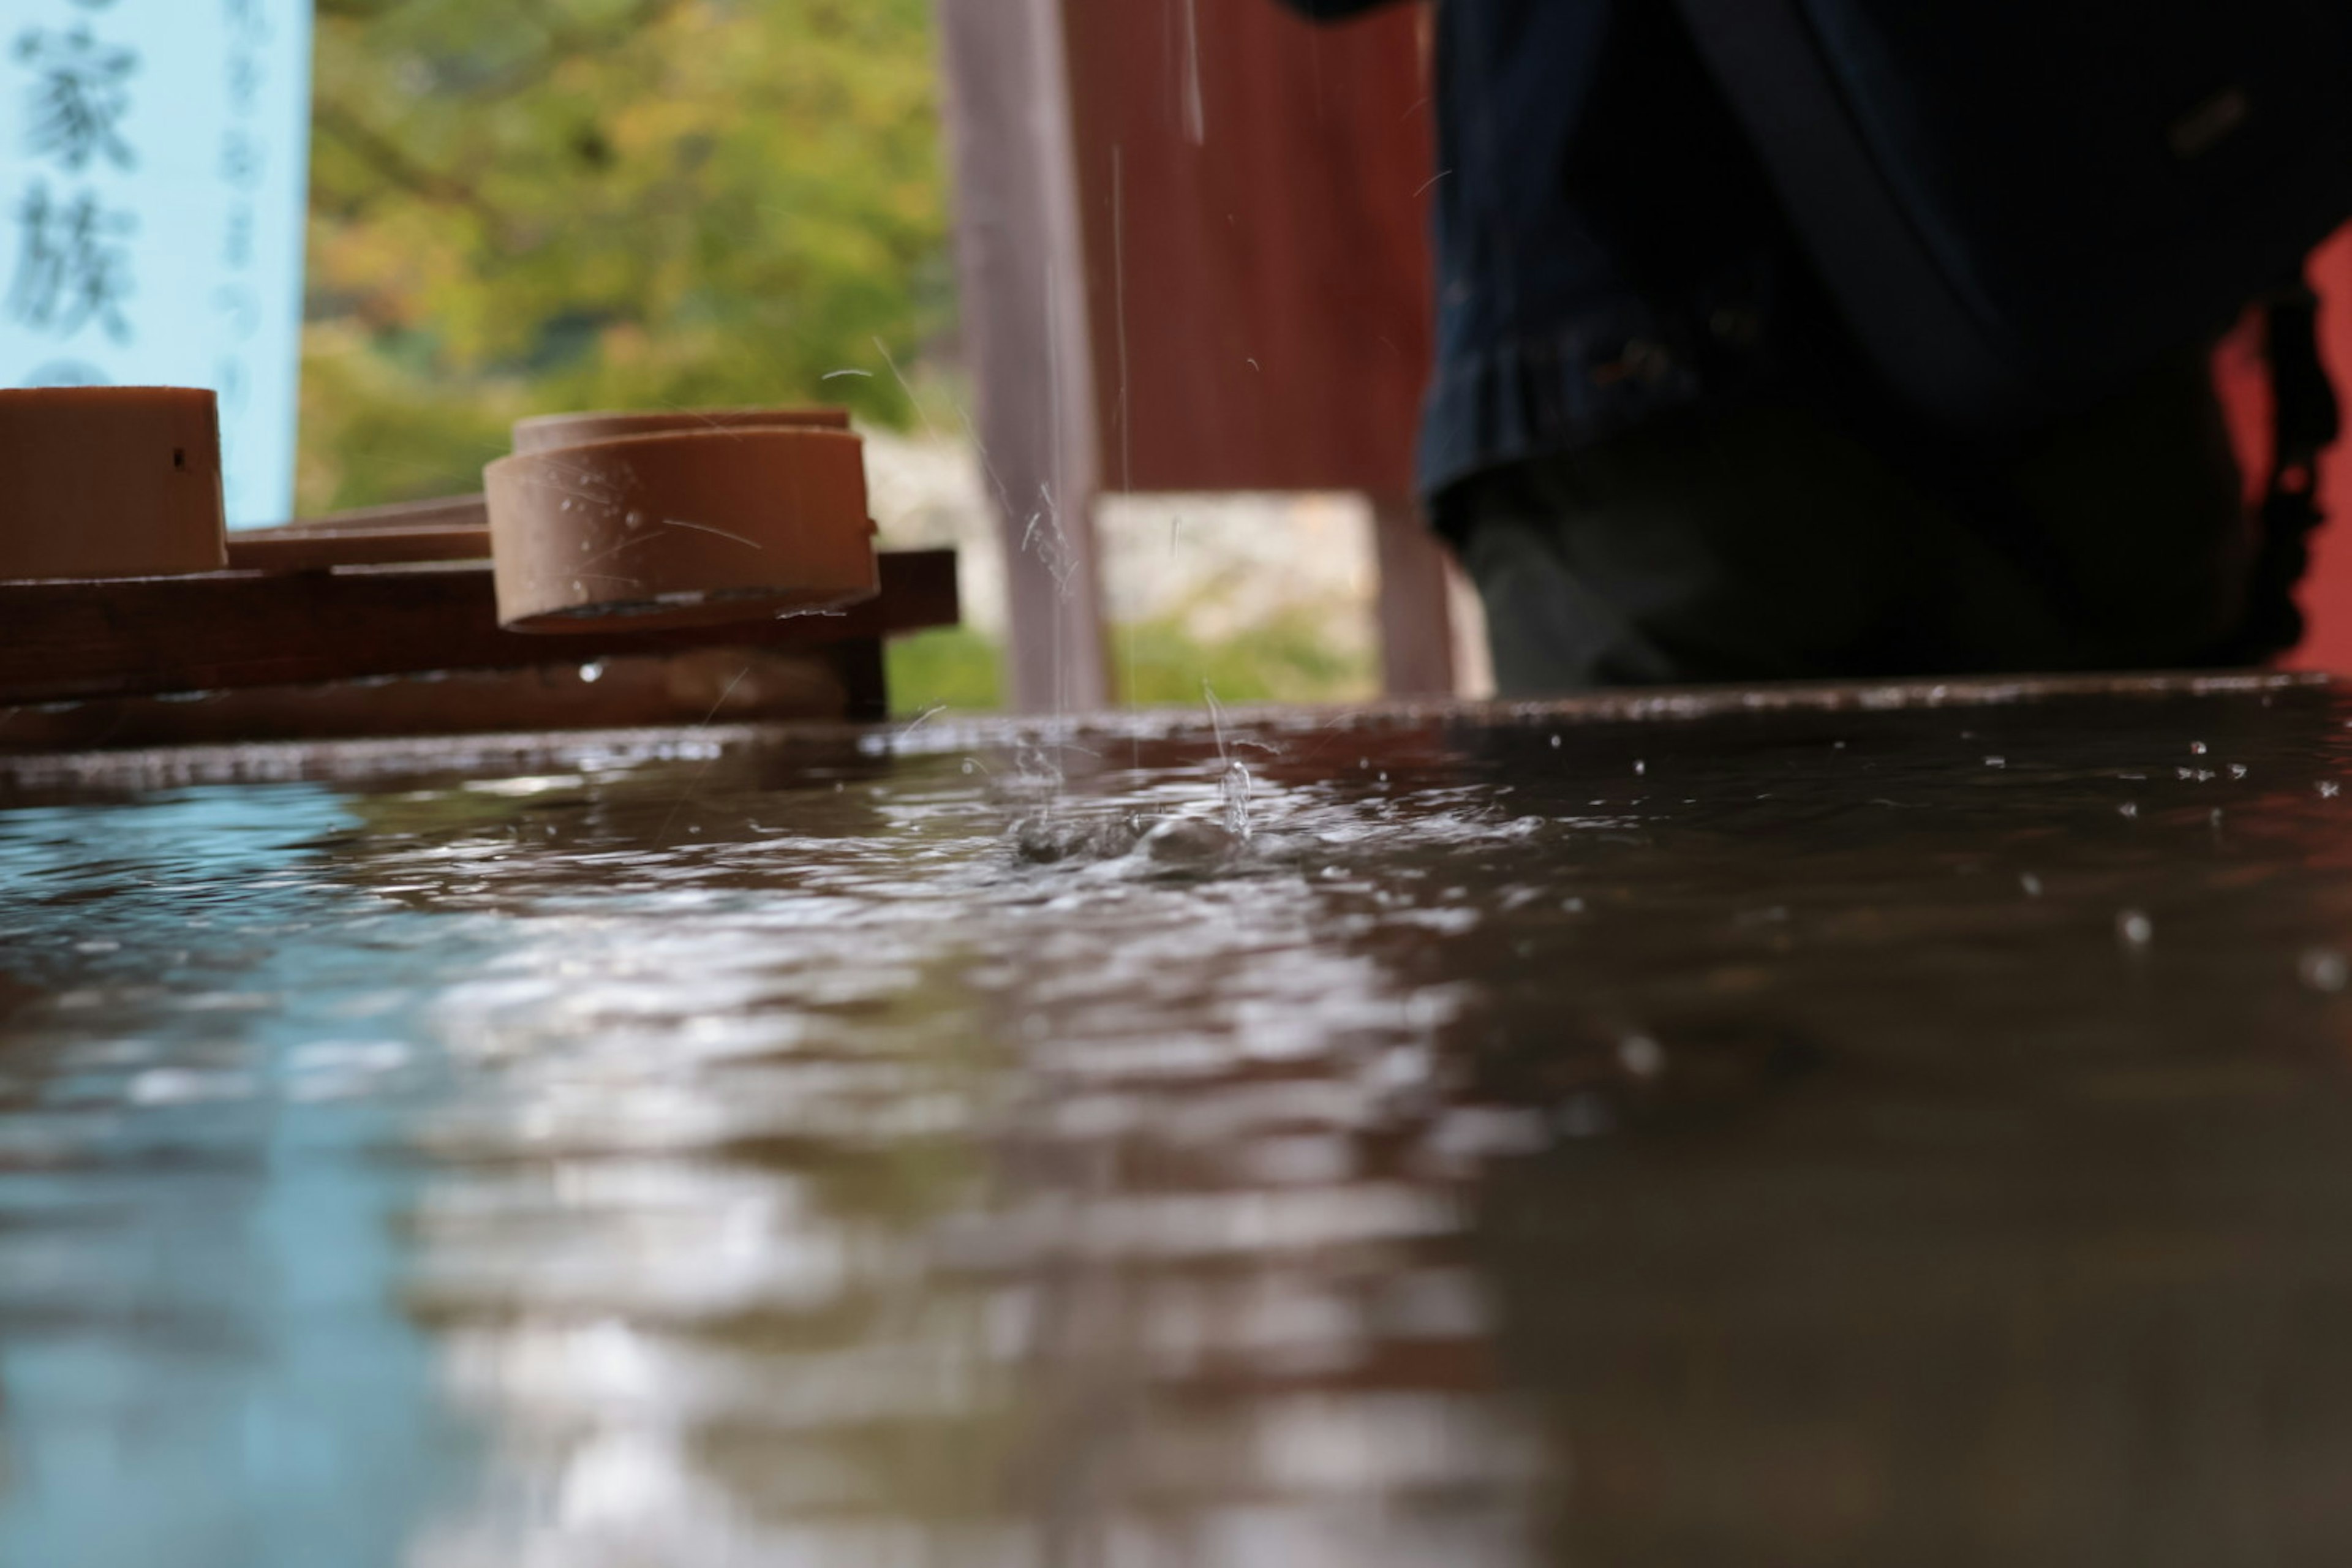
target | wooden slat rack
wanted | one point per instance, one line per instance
(367, 596)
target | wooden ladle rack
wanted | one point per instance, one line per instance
(355, 600)
(394, 590)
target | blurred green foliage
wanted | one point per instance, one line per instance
(954, 666)
(520, 205)
(1289, 656)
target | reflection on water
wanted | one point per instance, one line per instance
(1749, 1136)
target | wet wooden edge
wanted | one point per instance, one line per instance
(454, 528)
(144, 636)
(1633, 705)
(615, 750)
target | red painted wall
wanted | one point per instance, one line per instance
(2327, 595)
(1254, 193)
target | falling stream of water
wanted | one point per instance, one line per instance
(1835, 1134)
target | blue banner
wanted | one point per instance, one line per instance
(152, 192)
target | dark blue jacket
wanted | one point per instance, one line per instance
(1606, 249)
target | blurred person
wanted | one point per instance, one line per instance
(1663, 456)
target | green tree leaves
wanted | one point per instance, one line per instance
(550, 203)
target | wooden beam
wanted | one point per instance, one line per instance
(69, 640)
(306, 549)
(1416, 619)
(456, 528)
(1021, 267)
(711, 685)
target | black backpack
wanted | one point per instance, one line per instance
(2017, 204)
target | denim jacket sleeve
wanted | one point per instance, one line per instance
(1603, 251)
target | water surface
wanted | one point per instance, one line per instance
(1819, 1132)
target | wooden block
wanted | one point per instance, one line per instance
(109, 481)
(686, 528)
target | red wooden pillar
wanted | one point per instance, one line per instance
(2327, 595)
(1253, 194)
(2238, 369)
(1194, 257)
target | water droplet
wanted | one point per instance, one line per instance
(565, 507)
(1996, 761)
(2128, 808)
(2135, 928)
(1642, 1056)
(2196, 748)
(635, 520)
(1573, 906)
(1640, 767)
(1234, 788)
(1555, 742)
(2324, 969)
(2237, 770)
(1191, 841)
(593, 671)
(577, 587)
(2328, 789)
(2031, 884)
